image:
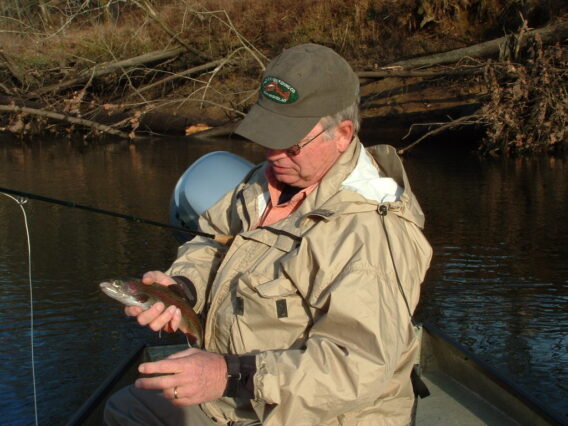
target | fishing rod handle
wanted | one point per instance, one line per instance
(226, 240)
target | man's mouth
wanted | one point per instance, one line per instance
(280, 169)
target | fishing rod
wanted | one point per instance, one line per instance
(223, 239)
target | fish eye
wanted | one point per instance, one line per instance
(142, 298)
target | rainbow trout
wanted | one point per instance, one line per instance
(132, 292)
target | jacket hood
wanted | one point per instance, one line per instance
(366, 180)
(369, 177)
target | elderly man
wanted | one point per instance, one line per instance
(308, 312)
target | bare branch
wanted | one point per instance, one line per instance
(468, 119)
(144, 5)
(218, 68)
(193, 70)
(107, 68)
(254, 52)
(63, 117)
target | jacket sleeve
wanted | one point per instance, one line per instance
(199, 258)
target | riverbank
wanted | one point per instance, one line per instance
(164, 67)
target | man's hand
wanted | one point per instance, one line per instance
(156, 317)
(189, 377)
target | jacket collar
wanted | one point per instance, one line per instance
(326, 190)
(354, 184)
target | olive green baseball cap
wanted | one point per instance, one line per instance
(298, 88)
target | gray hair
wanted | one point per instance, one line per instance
(350, 113)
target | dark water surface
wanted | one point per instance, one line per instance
(498, 282)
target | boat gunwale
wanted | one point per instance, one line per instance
(98, 396)
(497, 377)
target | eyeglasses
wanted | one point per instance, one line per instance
(296, 149)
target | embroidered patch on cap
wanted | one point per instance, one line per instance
(278, 90)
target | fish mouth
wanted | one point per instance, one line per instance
(117, 290)
(110, 288)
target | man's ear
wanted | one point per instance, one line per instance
(344, 135)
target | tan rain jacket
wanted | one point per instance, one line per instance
(315, 296)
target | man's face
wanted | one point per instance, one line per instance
(314, 160)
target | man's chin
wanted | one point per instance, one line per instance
(286, 179)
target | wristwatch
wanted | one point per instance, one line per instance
(240, 375)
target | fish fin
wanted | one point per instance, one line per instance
(192, 340)
(189, 345)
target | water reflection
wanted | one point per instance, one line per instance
(497, 283)
(498, 280)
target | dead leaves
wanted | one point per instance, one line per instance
(527, 107)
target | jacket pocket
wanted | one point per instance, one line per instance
(279, 287)
(269, 314)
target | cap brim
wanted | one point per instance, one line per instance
(272, 130)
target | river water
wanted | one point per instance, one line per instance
(498, 282)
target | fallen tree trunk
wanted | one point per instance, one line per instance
(152, 121)
(482, 50)
(63, 117)
(103, 69)
(402, 73)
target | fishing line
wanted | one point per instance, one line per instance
(74, 205)
(21, 202)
